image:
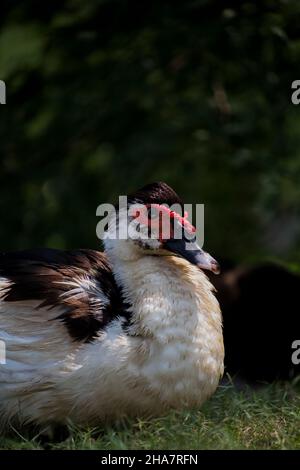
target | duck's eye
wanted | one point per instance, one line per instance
(189, 236)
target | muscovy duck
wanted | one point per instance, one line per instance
(92, 336)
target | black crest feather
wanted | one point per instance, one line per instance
(155, 193)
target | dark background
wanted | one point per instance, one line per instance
(106, 96)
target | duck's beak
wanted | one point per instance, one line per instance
(191, 251)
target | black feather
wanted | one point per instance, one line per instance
(155, 193)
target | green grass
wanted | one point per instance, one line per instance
(268, 418)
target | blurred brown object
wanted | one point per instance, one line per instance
(260, 307)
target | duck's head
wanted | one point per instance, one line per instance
(153, 222)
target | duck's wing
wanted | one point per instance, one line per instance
(75, 290)
(51, 304)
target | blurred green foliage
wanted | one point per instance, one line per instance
(105, 96)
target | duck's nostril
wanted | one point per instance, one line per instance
(215, 267)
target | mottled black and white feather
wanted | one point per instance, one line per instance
(77, 283)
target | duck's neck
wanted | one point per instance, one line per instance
(168, 297)
(175, 327)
